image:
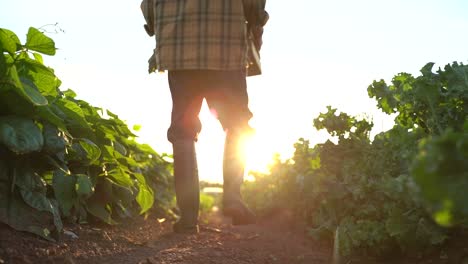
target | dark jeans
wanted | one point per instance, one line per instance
(224, 91)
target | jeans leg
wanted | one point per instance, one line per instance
(187, 98)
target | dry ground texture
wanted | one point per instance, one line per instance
(272, 240)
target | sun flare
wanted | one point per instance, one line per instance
(256, 152)
(258, 149)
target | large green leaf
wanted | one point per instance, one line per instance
(37, 41)
(120, 148)
(69, 93)
(27, 179)
(84, 187)
(20, 135)
(123, 194)
(38, 58)
(56, 161)
(54, 141)
(99, 203)
(40, 202)
(11, 103)
(145, 198)
(108, 153)
(20, 216)
(46, 114)
(10, 78)
(106, 132)
(100, 210)
(140, 178)
(21, 86)
(31, 93)
(73, 113)
(33, 191)
(84, 151)
(121, 176)
(93, 152)
(64, 190)
(43, 77)
(9, 42)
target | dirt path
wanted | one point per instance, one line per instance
(149, 241)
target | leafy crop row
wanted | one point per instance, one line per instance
(395, 193)
(62, 158)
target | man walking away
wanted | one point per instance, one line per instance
(203, 44)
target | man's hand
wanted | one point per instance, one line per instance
(148, 13)
(257, 33)
(257, 17)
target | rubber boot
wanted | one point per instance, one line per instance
(233, 174)
(186, 186)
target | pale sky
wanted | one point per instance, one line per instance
(316, 53)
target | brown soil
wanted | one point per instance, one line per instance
(148, 241)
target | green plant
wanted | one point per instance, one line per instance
(436, 105)
(365, 189)
(389, 194)
(441, 170)
(62, 157)
(206, 203)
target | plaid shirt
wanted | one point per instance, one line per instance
(200, 34)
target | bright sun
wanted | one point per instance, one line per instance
(259, 149)
(258, 152)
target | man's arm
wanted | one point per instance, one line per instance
(255, 12)
(147, 7)
(257, 17)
